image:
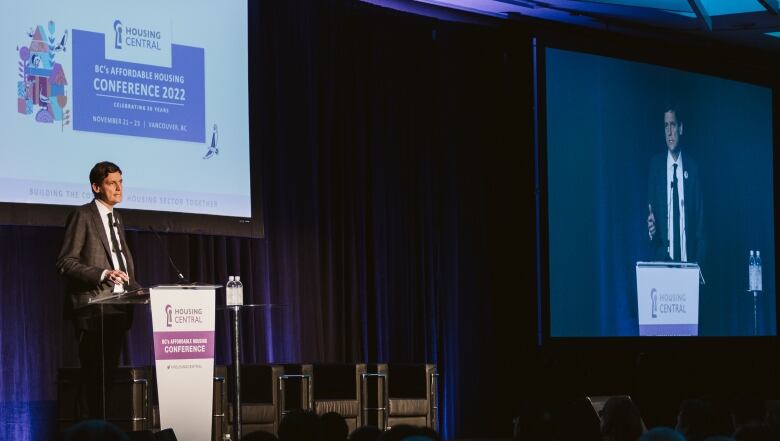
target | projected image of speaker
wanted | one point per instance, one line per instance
(657, 195)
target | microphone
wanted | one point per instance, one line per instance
(181, 277)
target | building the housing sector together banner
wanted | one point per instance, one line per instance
(160, 88)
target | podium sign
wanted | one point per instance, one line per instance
(668, 298)
(183, 332)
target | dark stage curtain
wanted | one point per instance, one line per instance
(379, 153)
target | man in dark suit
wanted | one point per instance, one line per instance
(675, 223)
(96, 261)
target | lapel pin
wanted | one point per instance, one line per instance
(685, 174)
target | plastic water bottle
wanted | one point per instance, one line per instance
(230, 289)
(759, 282)
(239, 289)
(752, 272)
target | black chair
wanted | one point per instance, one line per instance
(337, 388)
(128, 407)
(295, 389)
(259, 399)
(410, 394)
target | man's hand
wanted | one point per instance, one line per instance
(117, 276)
(650, 221)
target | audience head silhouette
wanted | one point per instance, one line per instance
(365, 433)
(299, 425)
(621, 420)
(695, 420)
(333, 427)
(747, 409)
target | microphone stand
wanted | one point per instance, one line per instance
(181, 279)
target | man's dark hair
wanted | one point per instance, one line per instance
(100, 171)
(675, 108)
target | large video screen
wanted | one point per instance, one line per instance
(158, 87)
(659, 189)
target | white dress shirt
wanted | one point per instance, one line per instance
(669, 197)
(104, 210)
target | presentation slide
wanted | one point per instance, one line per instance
(158, 87)
(660, 204)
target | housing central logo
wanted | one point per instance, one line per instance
(654, 300)
(141, 40)
(117, 34)
(137, 37)
(42, 85)
(181, 316)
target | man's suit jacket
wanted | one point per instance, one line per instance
(696, 243)
(85, 253)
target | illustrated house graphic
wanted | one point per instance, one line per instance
(57, 98)
(44, 80)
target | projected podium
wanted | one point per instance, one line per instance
(668, 298)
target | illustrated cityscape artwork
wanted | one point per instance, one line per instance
(42, 85)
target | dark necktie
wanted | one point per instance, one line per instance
(677, 256)
(115, 246)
